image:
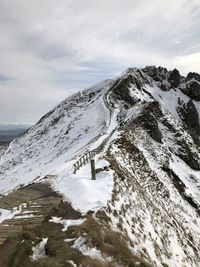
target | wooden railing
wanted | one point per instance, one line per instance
(83, 160)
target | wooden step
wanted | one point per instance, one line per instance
(21, 221)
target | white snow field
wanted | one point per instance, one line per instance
(83, 192)
(62, 135)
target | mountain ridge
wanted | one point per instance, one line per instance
(145, 127)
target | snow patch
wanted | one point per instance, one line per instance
(39, 250)
(8, 214)
(85, 250)
(83, 193)
(66, 223)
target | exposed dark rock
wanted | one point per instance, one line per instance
(154, 108)
(106, 168)
(157, 74)
(188, 156)
(121, 89)
(164, 85)
(151, 70)
(90, 212)
(174, 78)
(192, 90)
(192, 119)
(162, 72)
(180, 186)
(168, 125)
(189, 115)
(149, 120)
(151, 125)
(192, 75)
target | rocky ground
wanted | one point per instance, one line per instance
(41, 215)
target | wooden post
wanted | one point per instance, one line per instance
(92, 162)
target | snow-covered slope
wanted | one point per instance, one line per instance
(145, 125)
(61, 135)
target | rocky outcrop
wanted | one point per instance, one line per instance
(190, 117)
(174, 78)
(192, 90)
(157, 74)
(193, 75)
(149, 120)
(167, 79)
(188, 156)
(121, 89)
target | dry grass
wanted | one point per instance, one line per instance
(47, 262)
(15, 253)
(107, 241)
(90, 262)
(116, 247)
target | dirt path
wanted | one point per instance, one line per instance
(31, 204)
(37, 204)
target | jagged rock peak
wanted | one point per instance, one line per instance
(164, 78)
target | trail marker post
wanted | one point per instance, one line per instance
(89, 156)
(92, 163)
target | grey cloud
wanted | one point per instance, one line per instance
(4, 79)
(49, 49)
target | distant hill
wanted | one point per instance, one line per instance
(8, 132)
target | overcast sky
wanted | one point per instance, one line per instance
(51, 48)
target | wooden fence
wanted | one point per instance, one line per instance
(83, 160)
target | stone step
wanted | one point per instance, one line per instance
(32, 208)
(21, 221)
(29, 213)
(39, 201)
(10, 230)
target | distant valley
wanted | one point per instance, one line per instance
(10, 131)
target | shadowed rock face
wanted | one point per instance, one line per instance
(121, 89)
(188, 156)
(174, 78)
(190, 117)
(193, 75)
(157, 74)
(192, 90)
(180, 186)
(162, 75)
(149, 120)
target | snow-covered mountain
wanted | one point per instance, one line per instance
(145, 126)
